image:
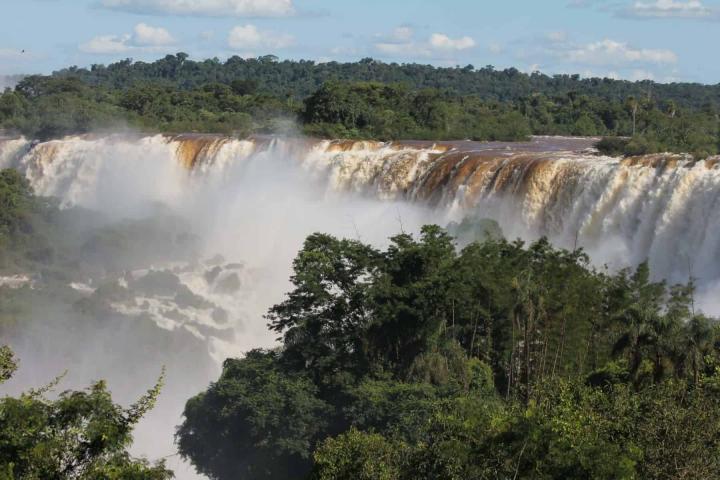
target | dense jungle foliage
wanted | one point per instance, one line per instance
(497, 360)
(365, 99)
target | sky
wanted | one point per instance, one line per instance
(662, 40)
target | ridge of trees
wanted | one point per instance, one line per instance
(364, 99)
(299, 79)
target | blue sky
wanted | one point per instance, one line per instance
(665, 40)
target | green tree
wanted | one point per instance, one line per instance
(357, 455)
(324, 318)
(80, 435)
(497, 360)
(255, 422)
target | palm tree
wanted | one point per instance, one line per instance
(644, 324)
(697, 340)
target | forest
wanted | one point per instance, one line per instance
(495, 360)
(365, 99)
(454, 354)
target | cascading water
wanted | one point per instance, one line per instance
(622, 211)
(253, 202)
(248, 210)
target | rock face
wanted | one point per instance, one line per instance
(180, 296)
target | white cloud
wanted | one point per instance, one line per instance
(244, 37)
(640, 74)
(654, 9)
(690, 9)
(145, 35)
(611, 52)
(438, 45)
(143, 38)
(107, 44)
(603, 58)
(443, 42)
(214, 8)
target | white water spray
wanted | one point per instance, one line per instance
(254, 201)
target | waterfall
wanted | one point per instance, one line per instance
(253, 201)
(622, 211)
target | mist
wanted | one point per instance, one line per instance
(177, 267)
(9, 81)
(181, 244)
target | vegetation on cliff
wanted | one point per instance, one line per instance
(365, 99)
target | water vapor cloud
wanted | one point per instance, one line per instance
(403, 41)
(143, 38)
(248, 37)
(611, 52)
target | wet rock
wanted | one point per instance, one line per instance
(212, 274)
(219, 315)
(185, 298)
(162, 283)
(228, 284)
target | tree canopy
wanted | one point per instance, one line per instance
(79, 435)
(365, 99)
(494, 360)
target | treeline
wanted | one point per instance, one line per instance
(299, 79)
(499, 360)
(367, 99)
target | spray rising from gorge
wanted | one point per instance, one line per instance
(233, 213)
(621, 210)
